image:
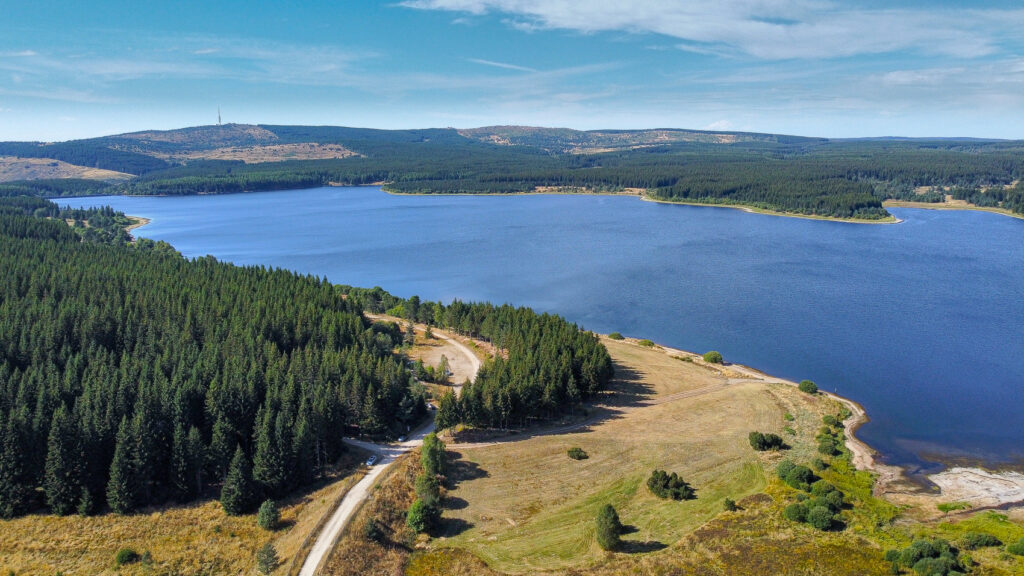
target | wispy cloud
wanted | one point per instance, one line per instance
(768, 29)
(502, 65)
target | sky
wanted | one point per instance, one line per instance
(850, 68)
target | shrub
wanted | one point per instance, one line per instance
(789, 417)
(820, 517)
(372, 531)
(808, 387)
(829, 420)
(126, 556)
(828, 446)
(665, 485)
(730, 505)
(645, 342)
(796, 512)
(422, 517)
(577, 453)
(608, 528)
(930, 557)
(266, 559)
(762, 442)
(428, 489)
(1017, 548)
(818, 464)
(784, 468)
(268, 515)
(713, 357)
(975, 540)
(615, 336)
(799, 477)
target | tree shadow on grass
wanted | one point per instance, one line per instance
(460, 470)
(454, 503)
(636, 547)
(451, 527)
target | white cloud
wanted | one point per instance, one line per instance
(502, 65)
(768, 29)
(720, 126)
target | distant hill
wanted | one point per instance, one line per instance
(780, 173)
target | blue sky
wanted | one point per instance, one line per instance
(811, 67)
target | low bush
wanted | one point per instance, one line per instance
(928, 557)
(762, 442)
(799, 477)
(422, 517)
(126, 556)
(730, 505)
(266, 559)
(615, 336)
(577, 453)
(665, 485)
(808, 387)
(268, 516)
(645, 342)
(975, 540)
(713, 357)
(1017, 548)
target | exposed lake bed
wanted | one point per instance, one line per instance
(918, 322)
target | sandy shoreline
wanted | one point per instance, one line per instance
(974, 487)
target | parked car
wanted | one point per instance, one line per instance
(401, 438)
(371, 460)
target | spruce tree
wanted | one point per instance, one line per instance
(238, 495)
(14, 484)
(186, 463)
(269, 466)
(62, 483)
(122, 488)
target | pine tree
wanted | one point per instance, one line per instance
(14, 485)
(269, 462)
(123, 487)
(62, 482)
(186, 463)
(238, 496)
(448, 411)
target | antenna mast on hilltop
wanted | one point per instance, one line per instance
(218, 115)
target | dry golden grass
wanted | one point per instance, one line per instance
(12, 168)
(194, 539)
(356, 555)
(525, 506)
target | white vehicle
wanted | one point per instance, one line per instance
(371, 460)
(401, 438)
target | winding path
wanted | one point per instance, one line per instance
(387, 454)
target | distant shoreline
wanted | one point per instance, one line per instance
(945, 206)
(564, 191)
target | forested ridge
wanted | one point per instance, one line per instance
(837, 178)
(546, 367)
(131, 376)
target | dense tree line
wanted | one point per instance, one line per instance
(837, 178)
(547, 365)
(131, 377)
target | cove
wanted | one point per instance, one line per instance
(920, 322)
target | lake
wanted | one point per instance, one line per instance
(921, 322)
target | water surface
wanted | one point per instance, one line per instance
(920, 322)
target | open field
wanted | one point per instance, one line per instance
(193, 539)
(12, 169)
(525, 506)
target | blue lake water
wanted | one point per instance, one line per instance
(921, 322)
